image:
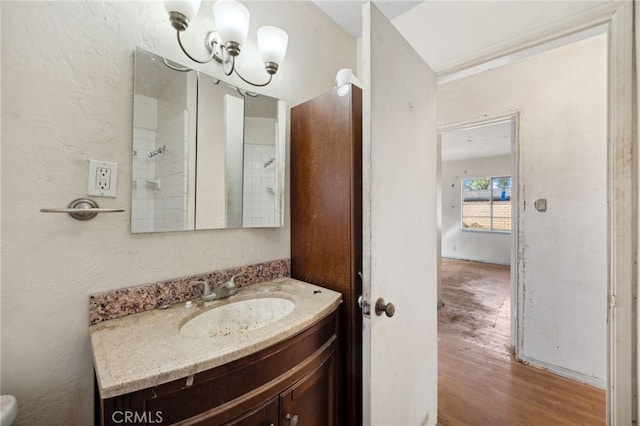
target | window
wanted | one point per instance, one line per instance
(486, 204)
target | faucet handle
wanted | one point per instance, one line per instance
(206, 290)
(230, 283)
(232, 279)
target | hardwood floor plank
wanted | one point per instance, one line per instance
(480, 382)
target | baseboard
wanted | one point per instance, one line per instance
(565, 372)
(491, 262)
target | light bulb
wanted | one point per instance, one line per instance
(272, 44)
(181, 12)
(232, 22)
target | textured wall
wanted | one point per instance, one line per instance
(67, 92)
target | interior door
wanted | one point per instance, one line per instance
(400, 229)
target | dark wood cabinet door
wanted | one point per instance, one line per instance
(326, 191)
(326, 220)
(265, 415)
(311, 400)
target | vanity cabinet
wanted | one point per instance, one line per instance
(326, 220)
(263, 415)
(290, 382)
(299, 403)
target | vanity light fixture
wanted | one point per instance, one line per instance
(232, 23)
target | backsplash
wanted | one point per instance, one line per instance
(132, 300)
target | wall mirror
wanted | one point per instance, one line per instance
(206, 155)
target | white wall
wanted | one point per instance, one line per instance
(67, 95)
(561, 96)
(491, 247)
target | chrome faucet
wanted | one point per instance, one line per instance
(207, 294)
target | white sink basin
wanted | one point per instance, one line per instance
(8, 409)
(237, 317)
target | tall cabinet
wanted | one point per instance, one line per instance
(326, 220)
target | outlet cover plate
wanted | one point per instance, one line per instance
(103, 178)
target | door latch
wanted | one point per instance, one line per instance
(364, 305)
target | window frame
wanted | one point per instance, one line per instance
(491, 179)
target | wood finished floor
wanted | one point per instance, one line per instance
(479, 381)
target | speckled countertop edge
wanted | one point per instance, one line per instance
(147, 349)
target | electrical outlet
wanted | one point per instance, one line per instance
(103, 178)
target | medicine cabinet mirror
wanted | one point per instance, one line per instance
(206, 155)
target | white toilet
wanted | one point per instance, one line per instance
(8, 409)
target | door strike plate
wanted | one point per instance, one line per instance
(364, 305)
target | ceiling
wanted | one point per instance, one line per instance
(348, 13)
(488, 140)
(447, 33)
(450, 33)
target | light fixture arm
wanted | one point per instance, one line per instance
(222, 61)
(212, 40)
(253, 84)
(211, 56)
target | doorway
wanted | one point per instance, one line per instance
(559, 260)
(621, 211)
(478, 182)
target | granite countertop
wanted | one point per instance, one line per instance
(147, 349)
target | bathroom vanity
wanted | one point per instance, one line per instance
(268, 359)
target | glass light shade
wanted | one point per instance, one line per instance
(272, 44)
(232, 21)
(188, 8)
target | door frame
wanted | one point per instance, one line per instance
(622, 177)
